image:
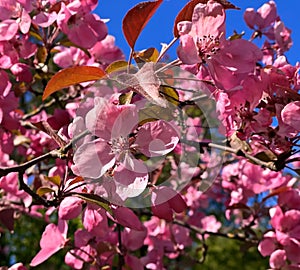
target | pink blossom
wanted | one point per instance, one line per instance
(22, 72)
(268, 245)
(262, 19)
(69, 208)
(82, 28)
(114, 148)
(291, 115)
(210, 224)
(127, 218)
(278, 259)
(68, 57)
(132, 239)
(282, 37)
(227, 61)
(164, 201)
(53, 239)
(106, 52)
(94, 220)
(8, 29)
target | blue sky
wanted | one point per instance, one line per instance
(160, 27)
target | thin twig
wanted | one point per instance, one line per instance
(225, 235)
(165, 49)
(272, 165)
(56, 153)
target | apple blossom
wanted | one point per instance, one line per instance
(136, 164)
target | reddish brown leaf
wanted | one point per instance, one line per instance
(187, 12)
(71, 76)
(136, 19)
(276, 192)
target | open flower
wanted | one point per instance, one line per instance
(117, 139)
(203, 41)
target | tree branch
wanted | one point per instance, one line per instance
(56, 153)
(225, 235)
(272, 165)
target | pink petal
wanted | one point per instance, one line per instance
(276, 215)
(106, 51)
(163, 211)
(25, 22)
(268, 13)
(251, 17)
(157, 138)
(278, 259)
(70, 208)
(133, 239)
(125, 121)
(291, 114)
(127, 172)
(232, 55)
(43, 255)
(108, 121)
(267, 246)
(208, 19)
(133, 190)
(44, 19)
(8, 29)
(187, 50)
(53, 239)
(292, 251)
(127, 218)
(86, 31)
(95, 220)
(93, 159)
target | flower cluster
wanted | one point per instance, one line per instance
(135, 166)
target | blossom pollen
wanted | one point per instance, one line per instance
(119, 145)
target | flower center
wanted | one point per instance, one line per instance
(207, 45)
(119, 145)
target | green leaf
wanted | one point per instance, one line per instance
(93, 198)
(41, 191)
(170, 94)
(148, 55)
(125, 98)
(54, 179)
(116, 66)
